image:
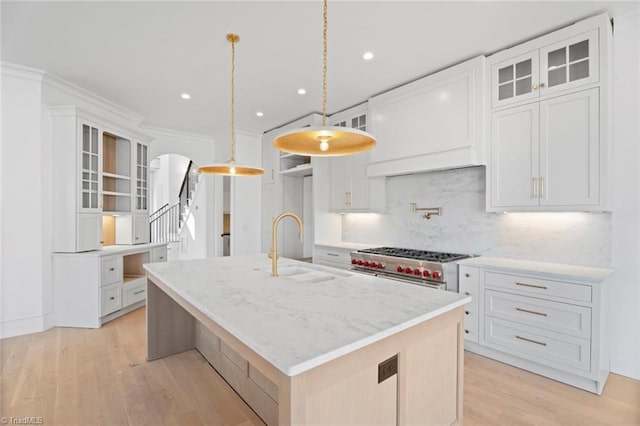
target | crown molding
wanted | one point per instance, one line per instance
(159, 131)
(20, 71)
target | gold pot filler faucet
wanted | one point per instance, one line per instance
(273, 254)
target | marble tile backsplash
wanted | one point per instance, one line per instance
(565, 237)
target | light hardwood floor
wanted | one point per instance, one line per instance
(72, 376)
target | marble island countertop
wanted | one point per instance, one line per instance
(309, 315)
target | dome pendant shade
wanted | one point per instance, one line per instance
(230, 169)
(327, 141)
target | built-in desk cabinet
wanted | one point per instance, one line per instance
(543, 317)
(549, 106)
(95, 287)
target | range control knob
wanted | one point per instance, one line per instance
(399, 269)
(353, 261)
(407, 270)
(436, 274)
(426, 273)
(360, 262)
(416, 271)
(380, 266)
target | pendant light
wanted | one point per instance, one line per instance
(324, 140)
(230, 168)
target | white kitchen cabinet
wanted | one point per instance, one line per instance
(334, 256)
(543, 317)
(132, 229)
(562, 65)
(94, 287)
(469, 286)
(77, 181)
(141, 173)
(549, 148)
(351, 189)
(434, 123)
(98, 177)
(546, 155)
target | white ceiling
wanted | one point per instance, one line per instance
(143, 55)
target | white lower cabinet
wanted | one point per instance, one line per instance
(95, 287)
(110, 299)
(543, 317)
(334, 256)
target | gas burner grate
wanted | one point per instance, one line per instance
(432, 256)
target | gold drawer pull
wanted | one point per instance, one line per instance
(138, 292)
(467, 275)
(531, 285)
(466, 331)
(466, 312)
(466, 293)
(532, 341)
(531, 312)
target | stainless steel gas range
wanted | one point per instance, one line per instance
(428, 268)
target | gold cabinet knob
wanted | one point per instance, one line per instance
(534, 87)
(467, 275)
(541, 84)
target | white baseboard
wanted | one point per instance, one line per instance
(625, 365)
(18, 327)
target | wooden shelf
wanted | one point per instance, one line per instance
(118, 194)
(299, 171)
(113, 175)
(128, 278)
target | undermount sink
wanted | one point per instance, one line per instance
(309, 274)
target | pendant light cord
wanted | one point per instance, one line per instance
(233, 39)
(324, 65)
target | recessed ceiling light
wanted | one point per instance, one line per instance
(301, 91)
(185, 96)
(259, 114)
(367, 56)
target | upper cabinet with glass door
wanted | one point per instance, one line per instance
(142, 176)
(90, 148)
(562, 65)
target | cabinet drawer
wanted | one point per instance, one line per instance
(335, 258)
(110, 299)
(159, 254)
(552, 349)
(234, 357)
(554, 316)
(110, 270)
(134, 292)
(528, 285)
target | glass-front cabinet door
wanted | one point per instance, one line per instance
(569, 63)
(142, 176)
(515, 79)
(90, 169)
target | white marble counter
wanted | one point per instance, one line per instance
(586, 273)
(347, 245)
(293, 322)
(115, 249)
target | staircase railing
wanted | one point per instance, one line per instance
(187, 189)
(164, 224)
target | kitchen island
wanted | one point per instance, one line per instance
(315, 345)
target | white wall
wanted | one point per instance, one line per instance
(245, 198)
(25, 244)
(624, 286)
(194, 237)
